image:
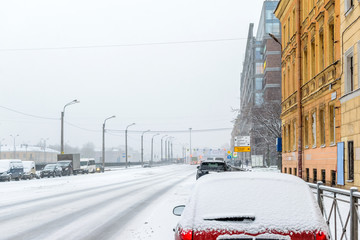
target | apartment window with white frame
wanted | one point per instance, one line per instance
(349, 70)
(313, 129)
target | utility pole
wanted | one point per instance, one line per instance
(14, 137)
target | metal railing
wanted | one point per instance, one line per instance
(340, 209)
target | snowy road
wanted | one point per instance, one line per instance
(124, 204)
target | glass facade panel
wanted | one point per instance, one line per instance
(258, 83)
(259, 68)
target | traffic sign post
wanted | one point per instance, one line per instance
(242, 149)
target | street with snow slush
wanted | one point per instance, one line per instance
(134, 203)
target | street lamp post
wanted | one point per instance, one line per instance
(44, 140)
(170, 148)
(190, 146)
(152, 147)
(126, 154)
(161, 158)
(14, 137)
(62, 123)
(142, 147)
(1, 146)
(103, 140)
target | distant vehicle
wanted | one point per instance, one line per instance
(12, 167)
(194, 161)
(70, 163)
(51, 170)
(4, 173)
(251, 206)
(66, 167)
(147, 165)
(87, 165)
(207, 167)
(29, 170)
(99, 168)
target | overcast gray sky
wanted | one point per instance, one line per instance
(46, 60)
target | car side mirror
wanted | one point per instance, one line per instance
(198, 167)
(178, 210)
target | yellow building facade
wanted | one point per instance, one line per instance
(311, 70)
(350, 87)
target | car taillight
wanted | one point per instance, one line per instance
(321, 236)
(186, 235)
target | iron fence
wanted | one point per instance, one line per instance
(340, 209)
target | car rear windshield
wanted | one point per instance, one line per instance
(213, 166)
(52, 166)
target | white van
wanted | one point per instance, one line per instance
(87, 165)
(12, 167)
(29, 170)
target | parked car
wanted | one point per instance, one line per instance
(66, 167)
(4, 174)
(11, 167)
(248, 205)
(99, 168)
(51, 170)
(209, 166)
(29, 170)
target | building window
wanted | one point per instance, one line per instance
(285, 170)
(349, 71)
(333, 178)
(322, 126)
(313, 129)
(351, 160)
(259, 68)
(294, 21)
(307, 175)
(306, 75)
(295, 171)
(294, 136)
(289, 137)
(349, 4)
(314, 175)
(289, 28)
(321, 51)
(290, 170)
(313, 59)
(323, 176)
(306, 131)
(332, 124)
(331, 43)
(258, 84)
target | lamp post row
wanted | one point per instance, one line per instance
(103, 139)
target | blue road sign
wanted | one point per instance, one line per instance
(229, 157)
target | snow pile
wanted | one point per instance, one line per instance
(253, 203)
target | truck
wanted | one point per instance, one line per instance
(70, 163)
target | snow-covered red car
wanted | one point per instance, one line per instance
(251, 206)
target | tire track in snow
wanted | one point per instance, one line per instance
(110, 228)
(60, 199)
(40, 232)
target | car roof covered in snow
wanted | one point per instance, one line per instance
(256, 202)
